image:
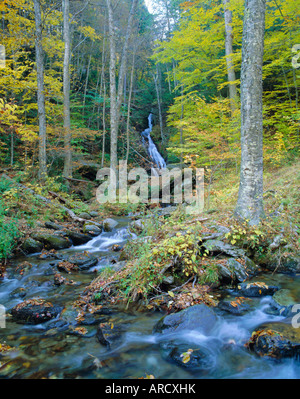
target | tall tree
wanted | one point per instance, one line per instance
(250, 200)
(66, 90)
(229, 52)
(116, 94)
(40, 89)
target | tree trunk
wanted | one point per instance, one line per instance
(129, 104)
(250, 200)
(66, 89)
(156, 79)
(40, 90)
(229, 52)
(117, 95)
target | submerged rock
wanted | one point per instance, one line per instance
(83, 261)
(188, 356)
(35, 311)
(198, 317)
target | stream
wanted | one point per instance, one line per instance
(48, 350)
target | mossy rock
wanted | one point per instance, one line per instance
(31, 246)
(52, 241)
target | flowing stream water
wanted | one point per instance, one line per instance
(49, 350)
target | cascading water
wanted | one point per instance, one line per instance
(152, 149)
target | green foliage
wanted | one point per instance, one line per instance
(9, 233)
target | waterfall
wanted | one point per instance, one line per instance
(152, 149)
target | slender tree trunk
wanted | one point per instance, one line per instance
(116, 95)
(156, 78)
(40, 90)
(104, 124)
(229, 52)
(250, 200)
(86, 83)
(66, 89)
(129, 104)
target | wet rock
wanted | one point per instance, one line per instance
(282, 303)
(256, 289)
(276, 340)
(199, 358)
(31, 246)
(219, 247)
(92, 229)
(18, 293)
(116, 248)
(52, 241)
(35, 311)
(83, 261)
(78, 238)
(198, 317)
(94, 214)
(233, 307)
(109, 224)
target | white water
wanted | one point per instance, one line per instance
(152, 149)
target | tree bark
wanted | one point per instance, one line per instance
(250, 199)
(40, 90)
(66, 91)
(116, 95)
(229, 52)
(129, 105)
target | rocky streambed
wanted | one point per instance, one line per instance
(251, 332)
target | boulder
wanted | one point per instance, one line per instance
(199, 358)
(234, 271)
(109, 224)
(282, 303)
(277, 340)
(78, 238)
(35, 311)
(83, 261)
(233, 307)
(31, 246)
(85, 215)
(94, 229)
(256, 289)
(198, 317)
(217, 247)
(53, 226)
(52, 241)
